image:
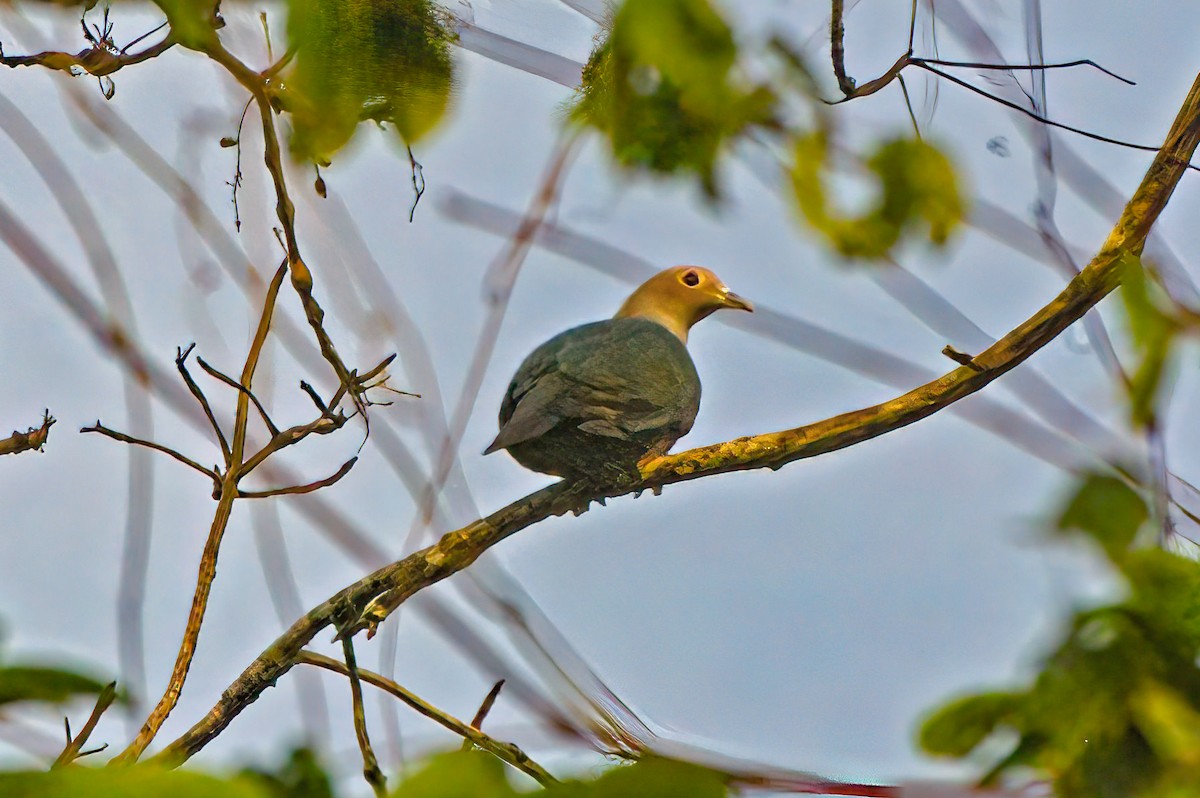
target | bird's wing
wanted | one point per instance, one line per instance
(612, 378)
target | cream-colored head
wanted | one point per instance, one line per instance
(679, 297)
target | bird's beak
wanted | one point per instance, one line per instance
(735, 302)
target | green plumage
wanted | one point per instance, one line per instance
(594, 400)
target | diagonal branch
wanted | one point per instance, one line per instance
(295, 490)
(366, 602)
(158, 447)
(507, 752)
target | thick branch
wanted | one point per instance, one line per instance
(367, 601)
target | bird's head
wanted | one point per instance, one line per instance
(679, 297)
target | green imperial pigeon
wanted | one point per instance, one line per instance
(594, 401)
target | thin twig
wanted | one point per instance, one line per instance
(302, 278)
(837, 50)
(158, 447)
(418, 182)
(237, 386)
(181, 356)
(482, 712)
(508, 752)
(74, 745)
(371, 772)
(293, 435)
(95, 60)
(220, 522)
(923, 64)
(296, 490)
(1025, 67)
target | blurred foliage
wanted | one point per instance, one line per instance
(301, 776)
(194, 23)
(1153, 329)
(1115, 710)
(460, 774)
(474, 774)
(1108, 510)
(356, 60)
(663, 89)
(141, 781)
(45, 684)
(916, 184)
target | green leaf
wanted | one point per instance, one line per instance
(140, 781)
(300, 777)
(1108, 510)
(194, 23)
(960, 726)
(381, 60)
(1153, 329)
(1168, 722)
(652, 777)
(52, 685)
(915, 187)
(459, 774)
(663, 89)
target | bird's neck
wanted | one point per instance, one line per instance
(636, 309)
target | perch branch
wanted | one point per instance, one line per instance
(369, 600)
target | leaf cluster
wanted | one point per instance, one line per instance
(386, 61)
(461, 774)
(1115, 710)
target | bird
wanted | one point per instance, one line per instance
(595, 401)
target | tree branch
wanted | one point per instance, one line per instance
(366, 602)
(506, 752)
(32, 438)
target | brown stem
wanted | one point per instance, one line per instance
(32, 438)
(371, 772)
(220, 522)
(107, 696)
(837, 49)
(506, 752)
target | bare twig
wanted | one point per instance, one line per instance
(74, 745)
(300, 489)
(237, 386)
(1026, 67)
(33, 438)
(123, 438)
(505, 751)
(208, 561)
(837, 49)
(293, 435)
(95, 60)
(371, 772)
(181, 356)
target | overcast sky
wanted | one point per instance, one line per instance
(803, 618)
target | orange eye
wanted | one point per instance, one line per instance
(690, 278)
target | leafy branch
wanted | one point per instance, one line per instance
(368, 601)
